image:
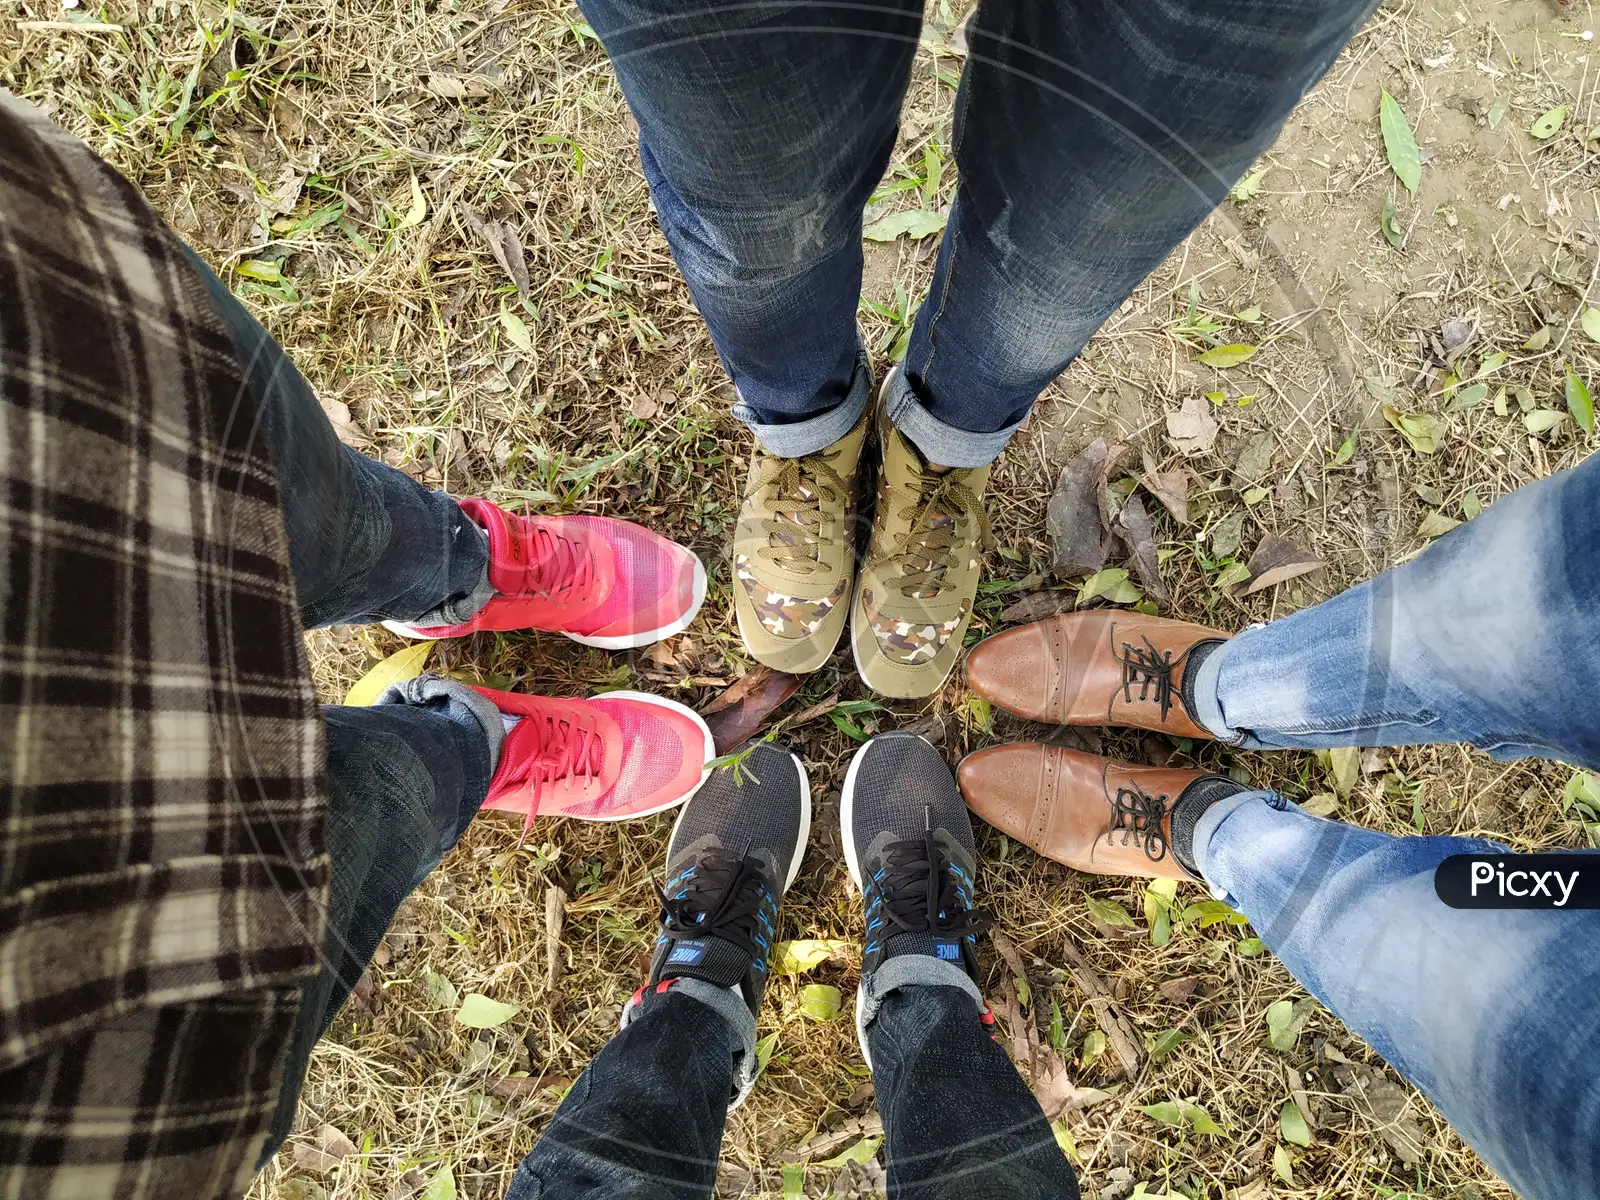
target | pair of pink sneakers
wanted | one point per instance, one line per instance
(607, 583)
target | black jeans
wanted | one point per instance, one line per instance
(644, 1122)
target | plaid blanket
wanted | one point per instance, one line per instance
(163, 873)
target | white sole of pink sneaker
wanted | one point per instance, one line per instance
(705, 773)
(632, 641)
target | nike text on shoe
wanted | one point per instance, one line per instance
(614, 756)
(794, 553)
(733, 854)
(909, 847)
(597, 580)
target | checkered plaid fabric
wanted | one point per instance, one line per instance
(163, 872)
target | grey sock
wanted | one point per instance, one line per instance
(1198, 653)
(1191, 806)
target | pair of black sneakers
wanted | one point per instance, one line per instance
(737, 847)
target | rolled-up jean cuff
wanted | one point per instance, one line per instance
(1205, 829)
(431, 690)
(814, 433)
(941, 444)
(1208, 710)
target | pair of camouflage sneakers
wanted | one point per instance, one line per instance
(795, 570)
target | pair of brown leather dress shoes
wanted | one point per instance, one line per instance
(1106, 667)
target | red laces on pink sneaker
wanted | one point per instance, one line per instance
(547, 750)
(559, 568)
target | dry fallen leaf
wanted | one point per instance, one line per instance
(1169, 487)
(1192, 429)
(323, 1155)
(1038, 605)
(644, 407)
(346, 426)
(515, 1087)
(1276, 560)
(1179, 990)
(1077, 537)
(1389, 1107)
(1138, 531)
(1057, 1094)
(738, 713)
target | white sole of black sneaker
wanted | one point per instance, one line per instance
(852, 861)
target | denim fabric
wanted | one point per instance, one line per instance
(1490, 1014)
(645, 1120)
(366, 542)
(1091, 138)
(1488, 637)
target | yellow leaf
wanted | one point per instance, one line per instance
(260, 268)
(419, 206)
(1591, 323)
(797, 957)
(398, 667)
(1223, 357)
(516, 331)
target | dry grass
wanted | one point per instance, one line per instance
(292, 135)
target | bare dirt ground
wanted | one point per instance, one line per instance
(348, 166)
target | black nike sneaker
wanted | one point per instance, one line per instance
(733, 854)
(909, 846)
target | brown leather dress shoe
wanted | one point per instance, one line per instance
(1096, 814)
(1106, 667)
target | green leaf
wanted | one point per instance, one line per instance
(1543, 420)
(1212, 912)
(1161, 930)
(1423, 431)
(1064, 1139)
(1247, 187)
(516, 331)
(1471, 506)
(1590, 320)
(1167, 1112)
(1580, 403)
(1345, 452)
(1292, 1125)
(1281, 1166)
(1255, 496)
(1391, 228)
(442, 1186)
(1201, 1121)
(1549, 124)
(1475, 393)
(1223, 357)
(1250, 947)
(821, 1002)
(847, 727)
(1398, 143)
(1498, 111)
(1024, 991)
(1109, 912)
(477, 1011)
(1286, 1019)
(1100, 584)
(1094, 1045)
(1168, 1040)
(440, 990)
(1582, 789)
(799, 956)
(764, 1049)
(794, 1181)
(911, 222)
(1436, 524)
(260, 268)
(862, 1152)
(1236, 573)
(1166, 889)
(397, 668)
(1344, 769)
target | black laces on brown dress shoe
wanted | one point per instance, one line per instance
(1149, 668)
(1138, 815)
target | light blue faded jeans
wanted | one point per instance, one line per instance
(1491, 637)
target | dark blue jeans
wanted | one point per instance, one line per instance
(367, 542)
(1091, 137)
(644, 1121)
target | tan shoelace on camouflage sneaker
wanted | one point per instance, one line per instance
(925, 552)
(800, 488)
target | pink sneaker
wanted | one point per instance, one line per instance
(611, 757)
(598, 580)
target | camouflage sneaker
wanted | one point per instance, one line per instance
(794, 553)
(920, 577)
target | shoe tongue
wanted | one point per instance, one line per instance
(946, 949)
(709, 958)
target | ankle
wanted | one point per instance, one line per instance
(1191, 806)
